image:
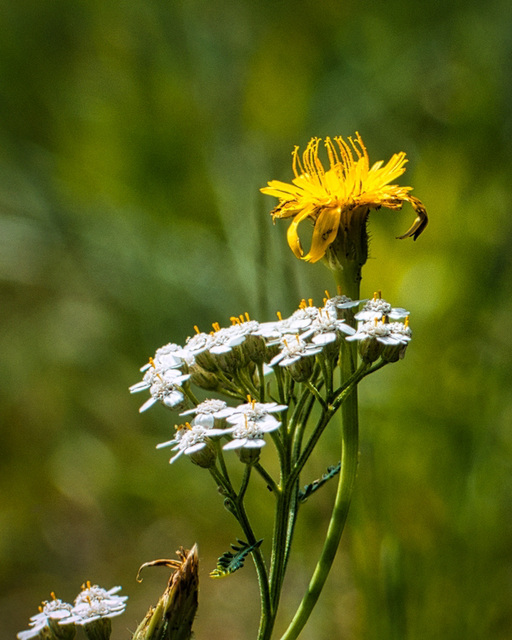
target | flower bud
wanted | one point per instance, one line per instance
(254, 348)
(205, 457)
(249, 455)
(174, 613)
(301, 369)
(394, 352)
(204, 379)
(370, 349)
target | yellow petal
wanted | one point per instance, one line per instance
(324, 232)
(293, 239)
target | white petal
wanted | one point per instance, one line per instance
(237, 443)
(149, 403)
(322, 339)
(195, 447)
(180, 453)
(166, 444)
(139, 386)
(254, 443)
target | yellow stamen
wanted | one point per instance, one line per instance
(234, 320)
(328, 295)
(196, 329)
(241, 318)
(406, 323)
(247, 316)
(279, 316)
(53, 596)
(310, 302)
(152, 363)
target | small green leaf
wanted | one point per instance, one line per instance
(316, 484)
(230, 562)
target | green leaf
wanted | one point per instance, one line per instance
(316, 484)
(230, 562)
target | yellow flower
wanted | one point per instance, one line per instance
(338, 200)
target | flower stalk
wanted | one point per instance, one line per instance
(275, 383)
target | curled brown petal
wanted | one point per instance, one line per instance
(421, 221)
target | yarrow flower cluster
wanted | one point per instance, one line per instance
(236, 360)
(57, 619)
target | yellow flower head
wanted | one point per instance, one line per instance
(340, 197)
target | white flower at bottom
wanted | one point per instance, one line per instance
(258, 412)
(54, 611)
(248, 423)
(249, 433)
(94, 603)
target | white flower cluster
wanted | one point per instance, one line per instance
(377, 336)
(209, 359)
(245, 424)
(307, 332)
(92, 604)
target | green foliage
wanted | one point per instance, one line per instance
(331, 472)
(230, 562)
(134, 139)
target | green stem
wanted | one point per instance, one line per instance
(348, 280)
(267, 477)
(238, 510)
(261, 379)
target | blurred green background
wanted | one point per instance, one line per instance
(134, 137)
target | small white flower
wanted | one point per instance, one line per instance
(165, 358)
(207, 408)
(301, 319)
(226, 338)
(257, 412)
(54, 610)
(250, 425)
(191, 437)
(378, 308)
(326, 328)
(273, 330)
(164, 386)
(401, 331)
(383, 332)
(293, 348)
(198, 343)
(342, 302)
(93, 603)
